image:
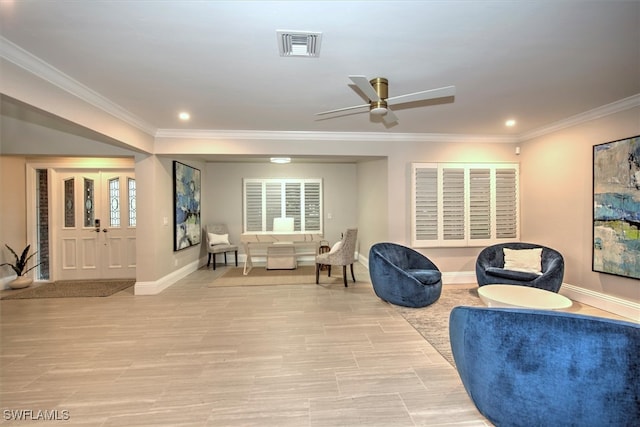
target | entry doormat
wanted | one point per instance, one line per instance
(70, 289)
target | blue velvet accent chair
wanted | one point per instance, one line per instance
(402, 276)
(525, 367)
(490, 268)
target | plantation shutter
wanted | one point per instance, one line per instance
(479, 204)
(267, 199)
(273, 205)
(506, 204)
(453, 223)
(293, 203)
(464, 204)
(425, 203)
(253, 206)
(312, 211)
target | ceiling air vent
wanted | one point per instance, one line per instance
(299, 43)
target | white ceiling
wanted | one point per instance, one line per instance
(536, 61)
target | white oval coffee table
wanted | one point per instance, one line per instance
(522, 296)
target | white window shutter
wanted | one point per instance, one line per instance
(464, 204)
(453, 204)
(267, 199)
(273, 197)
(479, 204)
(506, 204)
(293, 203)
(312, 207)
(425, 203)
(253, 206)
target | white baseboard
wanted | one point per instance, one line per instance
(363, 260)
(458, 277)
(615, 305)
(155, 287)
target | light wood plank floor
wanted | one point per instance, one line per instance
(302, 355)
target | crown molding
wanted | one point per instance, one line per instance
(226, 135)
(599, 112)
(36, 66)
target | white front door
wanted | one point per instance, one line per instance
(94, 224)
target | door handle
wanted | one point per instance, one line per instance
(104, 230)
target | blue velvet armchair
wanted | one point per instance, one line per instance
(490, 268)
(524, 367)
(402, 276)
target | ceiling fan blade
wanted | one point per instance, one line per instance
(389, 118)
(423, 96)
(343, 109)
(363, 84)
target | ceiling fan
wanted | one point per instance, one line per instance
(377, 91)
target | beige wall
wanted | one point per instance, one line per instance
(372, 204)
(51, 138)
(557, 197)
(154, 238)
(13, 218)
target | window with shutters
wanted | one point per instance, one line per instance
(266, 199)
(464, 204)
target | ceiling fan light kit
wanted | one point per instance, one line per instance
(377, 92)
(378, 108)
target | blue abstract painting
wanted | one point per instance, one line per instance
(186, 197)
(616, 207)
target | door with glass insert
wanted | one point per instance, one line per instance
(96, 223)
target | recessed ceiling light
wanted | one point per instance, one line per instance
(510, 123)
(184, 116)
(281, 160)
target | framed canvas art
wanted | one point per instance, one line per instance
(186, 203)
(616, 207)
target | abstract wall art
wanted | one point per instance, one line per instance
(616, 207)
(186, 203)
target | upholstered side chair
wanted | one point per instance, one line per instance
(342, 253)
(218, 243)
(403, 276)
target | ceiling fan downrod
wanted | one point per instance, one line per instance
(381, 86)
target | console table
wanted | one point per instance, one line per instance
(303, 244)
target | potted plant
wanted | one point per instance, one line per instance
(20, 268)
